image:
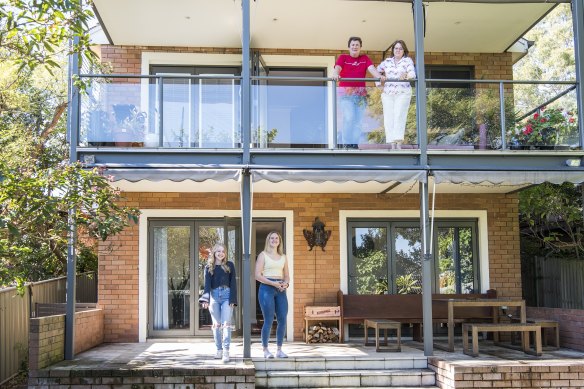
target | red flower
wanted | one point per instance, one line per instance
(543, 120)
(571, 120)
(535, 116)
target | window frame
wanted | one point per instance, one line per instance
(391, 223)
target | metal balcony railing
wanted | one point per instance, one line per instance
(204, 112)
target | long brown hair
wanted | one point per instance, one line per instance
(211, 260)
(403, 44)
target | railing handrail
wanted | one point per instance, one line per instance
(292, 78)
(156, 76)
(561, 94)
(464, 81)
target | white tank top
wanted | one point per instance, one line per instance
(273, 268)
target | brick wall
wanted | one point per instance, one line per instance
(118, 261)
(515, 374)
(571, 324)
(47, 337)
(489, 66)
(207, 377)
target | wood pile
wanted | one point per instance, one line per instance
(321, 333)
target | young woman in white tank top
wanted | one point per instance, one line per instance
(272, 271)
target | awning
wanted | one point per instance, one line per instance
(338, 176)
(176, 175)
(508, 177)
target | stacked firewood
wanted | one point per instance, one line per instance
(321, 333)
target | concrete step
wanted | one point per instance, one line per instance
(346, 378)
(392, 362)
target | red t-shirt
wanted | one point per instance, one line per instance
(353, 68)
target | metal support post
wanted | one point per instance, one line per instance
(246, 201)
(424, 196)
(73, 131)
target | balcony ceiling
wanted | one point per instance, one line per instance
(322, 24)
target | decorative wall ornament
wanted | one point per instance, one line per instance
(318, 236)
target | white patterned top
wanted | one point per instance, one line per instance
(394, 70)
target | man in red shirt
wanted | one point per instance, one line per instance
(352, 95)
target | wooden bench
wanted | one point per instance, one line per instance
(545, 324)
(525, 328)
(406, 308)
(384, 325)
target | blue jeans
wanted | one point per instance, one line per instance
(353, 109)
(273, 302)
(221, 313)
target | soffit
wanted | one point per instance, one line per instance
(322, 24)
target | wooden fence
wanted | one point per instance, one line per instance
(553, 282)
(15, 311)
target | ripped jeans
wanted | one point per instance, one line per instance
(221, 313)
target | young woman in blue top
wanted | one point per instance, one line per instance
(272, 271)
(220, 296)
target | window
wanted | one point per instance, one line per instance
(200, 112)
(450, 73)
(296, 111)
(385, 256)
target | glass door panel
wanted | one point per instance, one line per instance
(408, 260)
(368, 271)
(210, 233)
(456, 273)
(171, 284)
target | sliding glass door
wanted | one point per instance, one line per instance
(178, 252)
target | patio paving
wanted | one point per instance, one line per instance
(188, 354)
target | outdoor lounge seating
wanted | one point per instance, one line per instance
(406, 308)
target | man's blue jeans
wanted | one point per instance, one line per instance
(273, 302)
(352, 108)
(221, 313)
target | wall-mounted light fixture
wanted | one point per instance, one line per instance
(318, 236)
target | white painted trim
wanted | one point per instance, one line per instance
(483, 236)
(202, 59)
(176, 213)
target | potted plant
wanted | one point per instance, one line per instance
(544, 129)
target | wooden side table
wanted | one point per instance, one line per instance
(383, 325)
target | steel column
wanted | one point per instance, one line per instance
(424, 196)
(246, 178)
(73, 131)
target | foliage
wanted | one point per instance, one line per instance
(407, 284)
(550, 58)
(546, 127)
(551, 215)
(34, 33)
(40, 188)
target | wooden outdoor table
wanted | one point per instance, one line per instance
(495, 304)
(379, 324)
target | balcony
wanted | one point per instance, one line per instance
(139, 117)
(203, 112)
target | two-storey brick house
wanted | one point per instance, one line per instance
(220, 122)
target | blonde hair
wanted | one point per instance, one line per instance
(279, 249)
(211, 260)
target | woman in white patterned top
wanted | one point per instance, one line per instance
(396, 96)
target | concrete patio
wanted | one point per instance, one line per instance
(190, 364)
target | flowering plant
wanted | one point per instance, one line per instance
(546, 127)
